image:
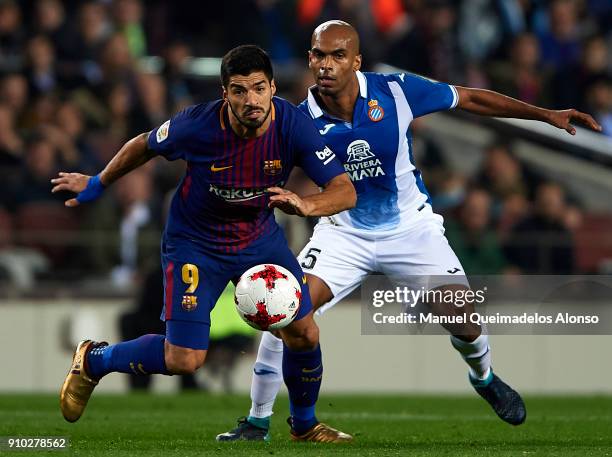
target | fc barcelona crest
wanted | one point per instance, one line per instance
(376, 112)
(190, 302)
(272, 167)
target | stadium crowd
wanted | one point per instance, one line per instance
(73, 89)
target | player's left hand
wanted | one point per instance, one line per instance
(564, 119)
(86, 187)
(288, 202)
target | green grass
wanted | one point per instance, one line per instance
(186, 425)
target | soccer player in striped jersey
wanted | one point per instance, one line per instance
(239, 153)
(365, 118)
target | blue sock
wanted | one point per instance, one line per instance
(302, 372)
(144, 355)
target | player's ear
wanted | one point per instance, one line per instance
(357, 62)
(224, 93)
(273, 87)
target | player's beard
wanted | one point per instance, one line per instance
(251, 125)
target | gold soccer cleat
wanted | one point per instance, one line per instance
(322, 433)
(78, 386)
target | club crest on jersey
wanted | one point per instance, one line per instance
(190, 302)
(376, 112)
(272, 167)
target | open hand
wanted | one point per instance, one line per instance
(288, 202)
(564, 119)
(73, 182)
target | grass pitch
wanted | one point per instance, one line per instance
(186, 425)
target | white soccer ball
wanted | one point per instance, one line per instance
(268, 297)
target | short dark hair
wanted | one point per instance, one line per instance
(244, 60)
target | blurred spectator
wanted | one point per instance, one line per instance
(480, 28)
(128, 19)
(367, 16)
(541, 243)
(472, 238)
(41, 111)
(14, 94)
(522, 77)
(599, 99)
(153, 109)
(41, 164)
(50, 21)
(11, 145)
(429, 157)
(502, 175)
(572, 83)
(176, 56)
(11, 158)
(71, 126)
(132, 214)
(41, 68)
(12, 35)
(450, 190)
(561, 42)
(430, 47)
(514, 208)
(134, 194)
(93, 29)
(117, 122)
(115, 60)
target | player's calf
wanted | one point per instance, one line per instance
(181, 360)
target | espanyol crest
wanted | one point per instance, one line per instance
(376, 112)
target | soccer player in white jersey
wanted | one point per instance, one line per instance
(365, 119)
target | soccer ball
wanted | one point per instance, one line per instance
(268, 297)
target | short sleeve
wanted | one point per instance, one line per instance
(317, 160)
(168, 139)
(425, 95)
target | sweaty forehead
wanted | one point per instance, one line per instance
(335, 37)
(248, 81)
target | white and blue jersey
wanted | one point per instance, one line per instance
(376, 147)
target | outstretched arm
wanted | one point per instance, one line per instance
(338, 195)
(133, 154)
(490, 103)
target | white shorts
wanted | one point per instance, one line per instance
(342, 257)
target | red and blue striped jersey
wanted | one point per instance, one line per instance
(221, 203)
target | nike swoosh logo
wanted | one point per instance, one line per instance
(216, 169)
(303, 279)
(306, 370)
(263, 372)
(326, 129)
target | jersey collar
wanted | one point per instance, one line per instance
(316, 110)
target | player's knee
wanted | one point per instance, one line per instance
(469, 334)
(184, 360)
(305, 339)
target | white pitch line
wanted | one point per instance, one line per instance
(363, 415)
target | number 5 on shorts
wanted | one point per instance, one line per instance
(310, 258)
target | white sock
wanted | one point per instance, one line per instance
(267, 376)
(476, 354)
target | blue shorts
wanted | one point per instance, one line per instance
(193, 285)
